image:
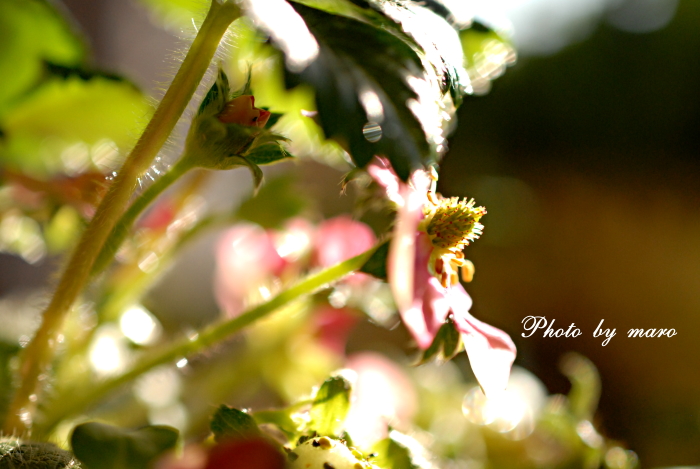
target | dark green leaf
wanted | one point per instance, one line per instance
(267, 154)
(377, 92)
(232, 423)
(376, 264)
(446, 344)
(432, 26)
(101, 446)
(274, 117)
(331, 406)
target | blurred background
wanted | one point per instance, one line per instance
(586, 153)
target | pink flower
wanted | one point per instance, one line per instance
(424, 258)
(246, 260)
(340, 238)
(382, 395)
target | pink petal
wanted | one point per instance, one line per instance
(246, 258)
(491, 351)
(341, 238)
(429, 304)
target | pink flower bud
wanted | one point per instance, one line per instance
(242, 111)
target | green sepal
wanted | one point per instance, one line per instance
(376, 264)
(228, 423)
(102, 446)
(217, 96)
(254, 170)
(267, 154)
(331, 406)
(446, 344)
(272, 120)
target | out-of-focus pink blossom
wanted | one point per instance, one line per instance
(246, 260)
(340, 238)
(382, 395)
(425, 301)
(333, 326)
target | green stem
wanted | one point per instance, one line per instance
(39, 353)
(204, 339)
(121, 229)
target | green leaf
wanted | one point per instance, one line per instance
(278, 201)
(267, 154)
(376, 265)
(97, 112)
(376, 91)
(391, 454)
(232, 423)
(487, 54)
(102, 446)
(331, 406)
(585, 385)
(32, 33)
(446, 344)
(280, 418)
(178, 14)
(433, 27)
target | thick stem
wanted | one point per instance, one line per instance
(39, 353)
(79, 401)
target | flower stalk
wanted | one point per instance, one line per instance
(187, 347)
(39, 353)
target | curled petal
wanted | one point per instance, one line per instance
(491, 351)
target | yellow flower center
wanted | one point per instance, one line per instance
(451, 224)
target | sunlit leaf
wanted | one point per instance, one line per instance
(330, 406)
(178, 14)
(398, 451)
(280, 418)
(65, 111)
(32, 33)
(376, 89)
(487, 54)
(102, 446)
(232, 423)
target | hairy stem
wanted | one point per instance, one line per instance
(121, 229)
(39, 353)
(187, 347)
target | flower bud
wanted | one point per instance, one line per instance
(242, 111)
